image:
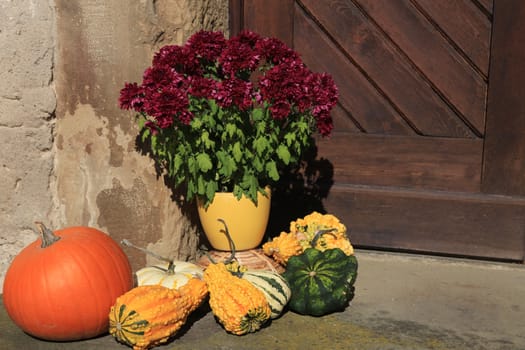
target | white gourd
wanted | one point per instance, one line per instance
(171, 274)
(167, 275)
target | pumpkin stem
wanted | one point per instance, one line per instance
(48, 237)
(319, 233)
(171, 265)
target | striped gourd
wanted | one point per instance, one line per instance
(321, 281)
(274, 287)
(147, 316)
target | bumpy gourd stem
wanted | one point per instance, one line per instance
(48, 237)
(171, 264)
(230, 242)
(319, 233)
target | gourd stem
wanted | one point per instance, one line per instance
(171, 265)
(209, 257)
(48, 237)
(319, 233)
(230, 241)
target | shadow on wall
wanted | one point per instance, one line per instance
(300, 191)
(189, 210)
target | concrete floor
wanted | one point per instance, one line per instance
(402, 302)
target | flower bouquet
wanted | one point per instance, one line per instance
(228, 115)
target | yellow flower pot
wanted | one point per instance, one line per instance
(246, 221)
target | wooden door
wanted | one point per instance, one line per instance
(428, 149)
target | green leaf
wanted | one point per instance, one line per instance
(231, 129)
(283, 153)
(257, 114)
(145, 134)
(226, 164)
(260, 144)
(196, 123)
(154, 144)
(190, 193)
(237, 152)
(201, 187)
(205, 139)
(192, 165)
(257, 164)
(237, 191)
(204, 162)
(177, 162)
(213, 106)
(271, 168)
(290, 138)
(141, 121)
(250, 186)
(211, 188)
(260, 127)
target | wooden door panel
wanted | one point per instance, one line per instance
(404, 161)
(504, 147)
(487, 5)
(445, 223)
(384, 64)
(343, 121)
(428, 148)
(429, 51)
(364, 104)
(465, 25)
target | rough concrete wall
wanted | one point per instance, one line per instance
(82, 167)
(101, 178)
(27, 104)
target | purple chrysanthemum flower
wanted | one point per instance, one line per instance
(211, 67)
(207, 45)
(131, 97)
(234, 92)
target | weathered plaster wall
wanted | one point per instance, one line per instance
(77, 163)
(27, 104)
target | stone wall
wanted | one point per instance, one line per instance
(69, 155)
(27, 105)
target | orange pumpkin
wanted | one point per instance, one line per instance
(62, 286)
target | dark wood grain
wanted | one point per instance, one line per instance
(358, 96)
(343, 121)
(457, 224)
(446, 70)
(236, 17)
(270, 18)
(487, 5)
(412, 162)
(388, 68)
(465, 24)
(504, 156)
